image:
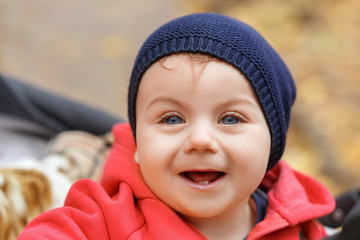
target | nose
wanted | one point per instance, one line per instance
(201, 140)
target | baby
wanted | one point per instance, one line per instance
(209, 107)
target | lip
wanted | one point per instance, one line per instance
(201, 186)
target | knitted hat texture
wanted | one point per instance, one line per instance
(232, 41)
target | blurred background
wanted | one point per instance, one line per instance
(84, 50)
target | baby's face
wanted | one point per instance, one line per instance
(202, 140)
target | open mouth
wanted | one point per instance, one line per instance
(202, 177)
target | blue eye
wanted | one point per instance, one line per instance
(230, 120)
(173, 120)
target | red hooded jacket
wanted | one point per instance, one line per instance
(123, 207)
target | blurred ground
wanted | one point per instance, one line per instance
(84, 49)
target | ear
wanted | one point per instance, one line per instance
(136, 157)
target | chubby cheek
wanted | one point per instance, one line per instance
(154, 157)
(252, 157)
(260, 152)
(154, 149)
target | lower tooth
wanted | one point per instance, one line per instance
(204, 182)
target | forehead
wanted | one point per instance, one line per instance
(194, 74)
(188, 65)
(171, 61)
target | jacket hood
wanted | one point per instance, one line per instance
(295, 196)
(294, 200)
(122, 168)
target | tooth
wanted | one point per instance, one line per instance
(203, 182)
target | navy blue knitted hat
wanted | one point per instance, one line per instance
(234, 42)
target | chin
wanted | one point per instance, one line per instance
(202, 212)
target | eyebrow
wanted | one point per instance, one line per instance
(166, 100)
(240, 100)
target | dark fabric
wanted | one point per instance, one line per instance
(49, 110)
(344, 204)
(261, 202)
(350, 229)
(351, 225)
(345, 215)
(236, 43)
